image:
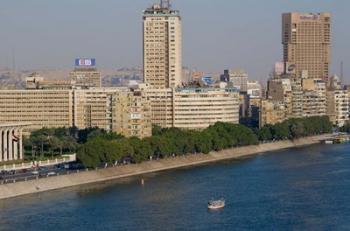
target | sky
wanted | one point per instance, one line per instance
(217, 34)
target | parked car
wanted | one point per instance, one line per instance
(51, 174)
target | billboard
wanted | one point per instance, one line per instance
(85, 62)
(290, 68)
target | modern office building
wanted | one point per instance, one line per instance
(306, 40)
(162, 46)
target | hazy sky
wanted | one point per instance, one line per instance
(217, 34)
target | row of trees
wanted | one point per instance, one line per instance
(109, 148)
(48, 142)
(295, 128)
(95, 147)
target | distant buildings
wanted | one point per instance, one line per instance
(238, 78)
(300, 86)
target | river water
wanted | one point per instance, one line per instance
(296, 189)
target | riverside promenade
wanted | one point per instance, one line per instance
(93, 176)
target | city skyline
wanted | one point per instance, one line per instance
(55, 42)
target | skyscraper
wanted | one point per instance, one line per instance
(162, 46)
(306, 40)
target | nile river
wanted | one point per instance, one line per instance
(297, 189)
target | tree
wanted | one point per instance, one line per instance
(264, 133)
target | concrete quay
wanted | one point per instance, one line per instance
(93, 176)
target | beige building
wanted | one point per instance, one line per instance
(85, 77)
(93, 108)
(314, 98)
(36, 81)
(132, 113)
(300, 97)
(271, 112)
(83, 108)
(338, 107)
(41, 108)
(200, 108)
(162, 46)
(193, 108)
(306, 40)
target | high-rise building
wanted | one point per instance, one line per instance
(306, 40)
(162, 46)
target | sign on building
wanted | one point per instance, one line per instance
(85, 62)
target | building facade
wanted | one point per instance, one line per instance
(271, 112)
(200, 108)
(338, 107)
(162, 46)
(41, 108)
(306, 40)
(82, 108)
(132, 114)
(196, 108)
(85, 77)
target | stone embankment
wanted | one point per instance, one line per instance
(93, 176)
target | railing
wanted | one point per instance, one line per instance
(64, 159)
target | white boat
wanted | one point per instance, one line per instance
(216, 204)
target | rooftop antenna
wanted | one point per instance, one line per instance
(165, 4)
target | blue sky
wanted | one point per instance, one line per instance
(217, 34)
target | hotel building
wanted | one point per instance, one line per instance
(306, 40)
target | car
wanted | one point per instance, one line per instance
(51, 174)
(35, 173)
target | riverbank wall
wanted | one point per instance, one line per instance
(94, 176)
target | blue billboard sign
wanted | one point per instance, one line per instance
(85, 62)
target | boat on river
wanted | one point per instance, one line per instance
(216, 204)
